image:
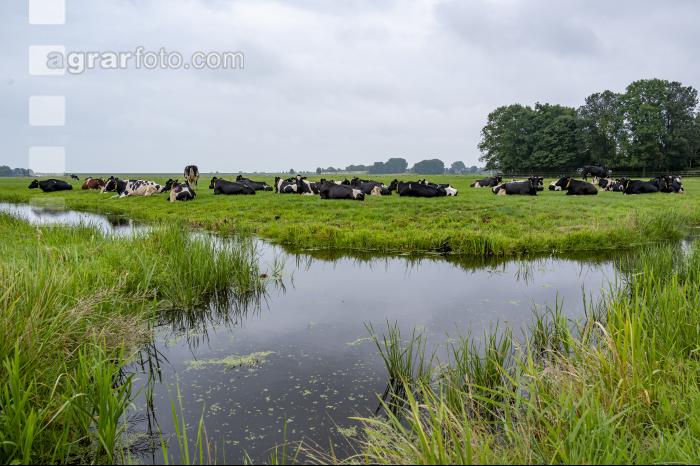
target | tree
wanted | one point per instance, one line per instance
(292, 172)
(356, 168)
(473, 169)
(458, 168)
(319, 170)
(429, 167)
(393, 165)
(505, 140)
(601, 120)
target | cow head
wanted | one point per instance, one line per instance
(110, 185)
(34, 184)
(537, 182)
(239, 178)
(169, 184)
(563, 183)
(394, 185)
(212, 183)
(358, 195)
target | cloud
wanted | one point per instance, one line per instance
(326, 83)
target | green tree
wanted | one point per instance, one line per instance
(602, 121)
(429, 167)
(458, 168)
(506, 139)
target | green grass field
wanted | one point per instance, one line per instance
(476, 222)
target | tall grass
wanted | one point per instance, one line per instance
(621, 389)
(73, 308)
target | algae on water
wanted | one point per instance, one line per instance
(233, 361)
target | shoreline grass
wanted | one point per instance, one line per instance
(474, 223)
(74, 308)
(621, 387)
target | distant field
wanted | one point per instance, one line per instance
(476, 222)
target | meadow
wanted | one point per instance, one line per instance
(475, 223)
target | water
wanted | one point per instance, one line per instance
(316, 366)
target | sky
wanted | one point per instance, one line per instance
(324, 83)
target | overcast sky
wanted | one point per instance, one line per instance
(326, 83)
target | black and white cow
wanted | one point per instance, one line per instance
(668, 183)
(607, 184)
(370, 187)
(51, 185)
(491, 182)
(449, 189)
(191, 174)
(74, 177)
(221, 186)
(575, 187)
(527, 187)
(638, 186)
(256, 185)
(416, 189)
(182, 192)
(593, 170)
(125, 188)
(330, 190)
(306, 187)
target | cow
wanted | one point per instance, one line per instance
(169, 185)
(487, 182)
(668, 184)
(182, 192)
(306, 187)
(527, 187)
(124, 188)
(575, 187)
(221, 186)
(368, 186)
(288, 186)
(638, 186)
(449, 189)
(51, 185)
(93, 183)
(256, 185)
(593, 170)
(75, 177)
(330, 190)
(191, 174)
(416, 189)
(607, 184)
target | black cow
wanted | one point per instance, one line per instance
(256, 185)
(370, 187)
(182, 192)
(229, 187)
(191, 174)
(331, 190)
(528, 187)
(50, 186)
(75, 177)
(416, 189)
(593, 170)
(638, 186)
(491, 182)
(575, 187)
(449, 189)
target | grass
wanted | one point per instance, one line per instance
(622, 386)
(74, 307)
(476, 222)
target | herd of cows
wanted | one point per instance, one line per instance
(357, 189)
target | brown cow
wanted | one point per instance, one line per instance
(93, 183)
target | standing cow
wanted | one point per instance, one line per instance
(191, 174)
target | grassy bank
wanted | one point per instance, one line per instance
(621, 387)
(74, 305)
(476, 222)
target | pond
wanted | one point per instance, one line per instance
(298, 363)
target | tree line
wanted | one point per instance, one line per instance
(6, 171)
(654, 125)
(399, 165)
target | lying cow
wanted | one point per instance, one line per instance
(527, 187)
(93, 183)
(416, 189)
(182, 192)
(575, 187)
(288, 186)
(256, 185)
(370, 187)
(449, 189)
(491, 182)
(607, 184)
(668, 184)
(306, 187)
(51, 185)
(638, 187)
(221, 186)
(124, 188)
(330, 190)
